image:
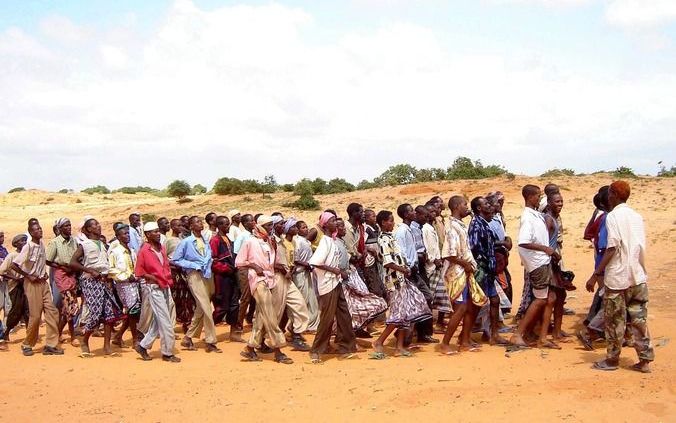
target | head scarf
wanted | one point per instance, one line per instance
(17, 238)
(260, 232)
(621, 190)
(323, 220)
(233, 212)
(84, 220)
(61, 221)
(290, 223)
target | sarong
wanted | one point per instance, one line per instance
(130, 295)
(407, 306)
(364, 306)
(101, 302)
(185, 303)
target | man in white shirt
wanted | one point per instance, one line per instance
(536, 258)
(624, 277)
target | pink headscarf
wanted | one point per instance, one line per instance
(323, 220)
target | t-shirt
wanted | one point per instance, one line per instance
(533, 230)
(326, 254)
(626, 233)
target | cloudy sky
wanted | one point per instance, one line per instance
(114, 93)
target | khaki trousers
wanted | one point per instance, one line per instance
(333, 306)
(266, 318)
(293, 301)
(204, 310)
(40, 300)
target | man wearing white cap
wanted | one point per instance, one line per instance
(235, 218)
(152, 266)
(193, 254)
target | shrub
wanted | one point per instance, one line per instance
(510, 176)
(98, 189)
(556, 172)
(399, 174)
(304, 186)
(134, 190)
(338, 185)
(198, 189)
(365, 184)
(269, 184)
(229, 186)
(17, 189)
(464, 168)
(184, 200)
(179, 189)
(305, 202)
(287, 187)
(624, 172)
(64, 191)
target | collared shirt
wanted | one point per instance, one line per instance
(60, 250)
(149, 263)
(497, 228)
(327, 254)
(441, 228)
(457, 245)
(431, 241)
(416, 231)
(404, 237)
(6, 269)
(255, 250)
(135, 238)
(482, 242)
(626, 233)
(241, 238)
(234, 232)
(33, 259)
(533, 230)
(95, 256)
(351, 238)
(302, 251)
(122, 263)
(190, 257)
(207, 233)
(171, 244)
(3, 253)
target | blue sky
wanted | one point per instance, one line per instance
(529, 84)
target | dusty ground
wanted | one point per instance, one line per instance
(482, 386)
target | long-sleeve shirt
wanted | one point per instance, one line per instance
(135, 239)
(416, 231)
(239, 241)
(326, 254)
(33, 259)
(404, 237)
(431, 241)
(121, 263)
(256, 251)
(191, 256)
(221, 252)
(151, 262)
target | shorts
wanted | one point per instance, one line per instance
(464, 296)
(486, 282)
(540, 280)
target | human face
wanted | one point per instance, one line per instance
(66, 230)
(293, 231)
(534, 199)
(249, 225)
(359, 215)
(35, 231)
(370, 218)
(224, 226)
(123, 236)
(20, 244)
(134, 220)
(279, 228)
(94, 229)
(236, 219)
(152, 236)
(556, 203)
(409, 214)
(268, 227)
(330, 225)
(463, 209)
(340, 227)
(485, 208)
(164, 225)
(421, 216)
(388, 224)
(176, 226)
(197, 225)
(303, 230)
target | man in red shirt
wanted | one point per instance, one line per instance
(152, 265)
(226, 298)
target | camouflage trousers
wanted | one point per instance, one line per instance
(627, 307)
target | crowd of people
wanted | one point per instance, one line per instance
(351, 278)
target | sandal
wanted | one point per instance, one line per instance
(516, 347)
(638, 367)
(404, 354)
(283, 359)
(586, 342)
(604, 365)
(249, 356)
(86, 355)
(377, 356)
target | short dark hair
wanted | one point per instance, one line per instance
(420, 207)
(220, 219)
(246, 217)
(402, 209)
(528, 190)
(209, 216)
(353, 208)
(382, 216)
(475, 204)
(455, 201)
(551, 188)
(192, 219)
(300, 222)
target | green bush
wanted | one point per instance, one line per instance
(287, 187)
(64, 191)
(556, 172)
(229, 186)
(624, 172)
(184, 200)
(98, 189)
(134, 190)
(338, 185)
(198, 189)
(399, 174)
(17, 189)
(365, 184)
(465, 168)
(148, 217)
(179, 189)
(305, 202)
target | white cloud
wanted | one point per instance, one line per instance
(245, 91)
(62, 29)
(640, 14)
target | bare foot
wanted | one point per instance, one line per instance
(517, 340)
(447, 350)
(498, 340)
(548, 344)
(377, 347)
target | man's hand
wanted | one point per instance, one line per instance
(257, 269)
(591, 283)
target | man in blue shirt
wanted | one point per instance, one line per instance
(406, 241)
(193, 254)
(135, 232)
(482, 242)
